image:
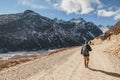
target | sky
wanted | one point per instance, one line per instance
(104, 12)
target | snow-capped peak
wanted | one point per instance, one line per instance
(30, 12)
(104, 28)
(78, 20)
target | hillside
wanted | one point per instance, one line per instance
(115, 37)
(115, 29)
(30, 31)
(112, 36)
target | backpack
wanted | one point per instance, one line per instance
(85, 50)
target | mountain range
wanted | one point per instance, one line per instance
(30, 31)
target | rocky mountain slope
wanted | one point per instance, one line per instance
(111, 36)
(115, 29)
(31, 31)
(114, 36)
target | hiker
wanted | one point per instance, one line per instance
(85, 52)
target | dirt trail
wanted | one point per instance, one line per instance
(68, 65)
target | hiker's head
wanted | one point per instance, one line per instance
(86, 42)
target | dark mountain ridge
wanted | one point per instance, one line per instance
(31, 31)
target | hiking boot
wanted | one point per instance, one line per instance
(87, 64)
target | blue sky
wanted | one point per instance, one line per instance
(105, 12)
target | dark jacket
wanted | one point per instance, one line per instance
(88, 48)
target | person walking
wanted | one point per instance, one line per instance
(85, 52)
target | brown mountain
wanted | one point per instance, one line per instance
(115, 29)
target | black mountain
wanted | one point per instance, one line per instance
(31, 31)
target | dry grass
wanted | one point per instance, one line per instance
(56, 51)
(18, 59)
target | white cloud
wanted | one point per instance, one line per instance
(30, 3)
(117, 16)
(78, 6)
(75, 6)
(47, 0)
(105, 13)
